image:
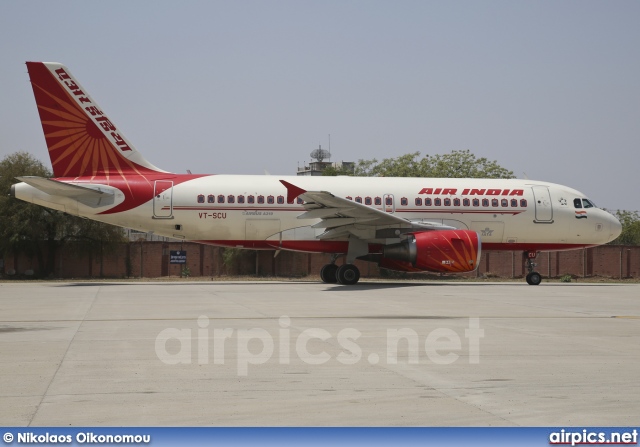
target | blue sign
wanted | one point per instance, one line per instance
(177, 257)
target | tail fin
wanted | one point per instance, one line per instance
(82, 141)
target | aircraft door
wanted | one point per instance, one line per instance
(163, 199)
(544, 209)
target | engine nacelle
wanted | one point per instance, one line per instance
(435, 251)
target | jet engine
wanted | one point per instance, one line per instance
(434, 251)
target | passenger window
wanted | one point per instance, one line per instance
(388, 201)
(404, 201)
(418, 201)
(270, 200)
(427, 202)
(447, 202)
(456, 202)
(211, 198)
(378, 201)
(220, 198)
(251, 199)
(261, 199)
(437, 202)
(523, 203)
(514, 203)
(300, 201)
(466, 202)
(358, 199)
(280, 200)
(485, 202)
(231, 199)
(200, 198)
(504, 202)
(577, 203)
(240, 199)
(367, 201)
(476, 202)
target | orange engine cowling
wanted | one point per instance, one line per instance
(435, 251)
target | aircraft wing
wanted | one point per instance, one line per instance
(338, 214)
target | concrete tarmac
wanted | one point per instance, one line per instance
(304, 353)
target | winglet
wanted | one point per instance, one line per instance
(292, 191)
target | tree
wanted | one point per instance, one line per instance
(22, 225)
(456, 164)
(630, 221)
(332, 171)
(40, 232)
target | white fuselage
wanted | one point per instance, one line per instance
(507, 214)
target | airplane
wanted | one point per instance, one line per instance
(405, 224)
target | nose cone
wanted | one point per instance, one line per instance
(616, 228)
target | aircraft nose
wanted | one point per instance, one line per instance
(616, 228)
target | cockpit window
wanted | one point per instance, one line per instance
(577, 203)
(587, 203)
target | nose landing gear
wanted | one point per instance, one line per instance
(533, 278)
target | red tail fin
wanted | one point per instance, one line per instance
(82, 141)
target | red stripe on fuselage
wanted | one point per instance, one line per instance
(342, 246)
(137, 189)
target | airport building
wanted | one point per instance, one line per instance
(318, 165)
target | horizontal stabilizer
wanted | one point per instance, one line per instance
(56, 188)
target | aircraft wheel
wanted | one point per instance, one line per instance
(328, 273)
(348, 274)
(534, 278)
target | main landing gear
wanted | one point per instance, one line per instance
(533, 278)
(347, 274)
(328, 273)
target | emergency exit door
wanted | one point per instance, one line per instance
(163, 199)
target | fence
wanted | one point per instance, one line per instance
(150, 259)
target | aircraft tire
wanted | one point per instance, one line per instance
(348, 274)
(328, 273)
(534, 278)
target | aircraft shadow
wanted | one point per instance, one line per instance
(363, 286)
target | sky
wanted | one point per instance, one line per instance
(549, 89)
